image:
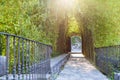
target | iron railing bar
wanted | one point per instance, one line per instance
(31, 59)
(34, 61)
(26, 58)
(7, 56)
(19, 62)
(29, 66)
(1, 43)
(32, 64)
(37, 65)
(119, 58)
(23, 72)
(48, 57)
(39, 70)
(14, 67)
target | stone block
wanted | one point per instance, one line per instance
(2, 65)
(117, 76)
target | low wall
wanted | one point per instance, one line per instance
(57, 64)
(108, 59)
(2, 65)
(117, 76)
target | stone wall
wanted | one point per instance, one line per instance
(2, 65)
(117, 76)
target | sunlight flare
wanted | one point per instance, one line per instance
(66, 4)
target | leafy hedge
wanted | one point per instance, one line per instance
(28, 18)
(103, 19)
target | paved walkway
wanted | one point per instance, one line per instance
(80, 69)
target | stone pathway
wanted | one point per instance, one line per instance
(80, 69)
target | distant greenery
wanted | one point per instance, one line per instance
(75, 39)
(73, 26)
(103, 19)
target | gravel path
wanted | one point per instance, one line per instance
(80, 69)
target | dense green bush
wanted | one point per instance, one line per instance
(102, 18)
(28, 18)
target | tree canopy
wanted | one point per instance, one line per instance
(103, 19)
(41, 19)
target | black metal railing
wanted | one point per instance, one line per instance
(108, 59)
(23, 59)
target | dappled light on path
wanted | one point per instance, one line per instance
(77, 55)
(80, 69)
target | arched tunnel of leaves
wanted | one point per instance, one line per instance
(97, 22)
